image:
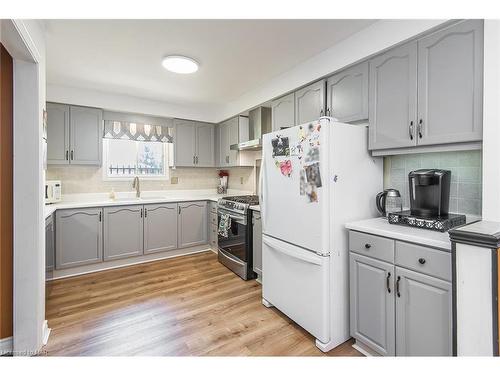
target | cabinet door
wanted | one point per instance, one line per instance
(204, 145)
(160, 227)
(393, 98)
(347, 94)
(78, 237)
(423, 315)
(192, 224)
(310, 102)
(233, 138)
(57, 133)
(123, 232)
(372, 303)
(85, 135)
(49, 244)
(257, 243)
(283, 112)
(224, 144)
(185, 143)
(450, 85)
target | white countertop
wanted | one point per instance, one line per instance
(128, 198)
(380, 227)
(255, 208)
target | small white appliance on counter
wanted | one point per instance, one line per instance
(52, 191)
(314, 178)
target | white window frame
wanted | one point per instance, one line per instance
(167, 162)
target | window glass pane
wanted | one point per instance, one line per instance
(150, 158)
(122, 157)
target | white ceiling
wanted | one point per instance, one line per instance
(236, 56)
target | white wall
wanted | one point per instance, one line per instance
(491, 121)
(127, 103)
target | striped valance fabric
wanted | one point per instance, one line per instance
(137, 132)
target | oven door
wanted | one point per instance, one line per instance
(233, 249)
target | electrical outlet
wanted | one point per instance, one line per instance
(174, 180)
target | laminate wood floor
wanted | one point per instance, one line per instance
(185, 306)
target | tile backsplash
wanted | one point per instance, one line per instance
(83, 179)
(466, 176)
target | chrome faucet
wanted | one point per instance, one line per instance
(137, 187)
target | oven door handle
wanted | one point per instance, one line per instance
(236, 218)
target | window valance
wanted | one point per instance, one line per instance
(137, 132)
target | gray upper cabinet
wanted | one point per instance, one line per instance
(78, 237)
(310, 102)
(347, 94)
(192, 224)
(423, 311)
(393, 98)
(283, 112)
(228, 135)
(205, 154)
(86, 131)
(185, 143)
(74, 135)
(450, 84)
(194, 144)
(257, 243)
(372, 303)
(123, 232)
(160, 227)
(57, 133)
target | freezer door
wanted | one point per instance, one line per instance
(295, 281)
(287, 212)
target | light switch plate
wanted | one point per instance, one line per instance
(174, 180)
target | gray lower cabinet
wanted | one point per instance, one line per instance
(283, 112)
(78, 237)
(160, 227)
(50, 245)
(123, 232)
(74, 135)
(393, 98)
(310, 102)
(192, 224)
(423, 311)
(402, 305)
(372, 303)
(450, 84)
(257, 243)
(347, 94)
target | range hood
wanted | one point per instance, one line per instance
(259, 123)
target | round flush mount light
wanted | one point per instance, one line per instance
(180, 64)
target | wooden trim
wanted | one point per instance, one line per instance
(6, 193)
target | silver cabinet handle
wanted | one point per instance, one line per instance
(410, 130)
(72, 154)
(194, 159)
(67, 155)
(321, 113)
(328, 112)
(420, 123)
(179, 210)
(145, 212)
(141, 212)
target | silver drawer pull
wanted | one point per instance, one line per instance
(367, 245)
(421, 261)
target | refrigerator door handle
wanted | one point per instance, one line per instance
(303, 255)
(261, 190)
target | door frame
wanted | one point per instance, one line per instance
(22, 40)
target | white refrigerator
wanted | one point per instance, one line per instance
(315, 178)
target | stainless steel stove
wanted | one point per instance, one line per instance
(235, 245)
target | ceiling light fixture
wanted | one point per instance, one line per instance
(180, 64)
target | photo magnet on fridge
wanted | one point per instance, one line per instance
(312, 155)
(286, 168)
(313, 175)
(281, 146)
(303, 183)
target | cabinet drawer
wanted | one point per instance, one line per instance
(372, 246)
(424, 259)
(212, 206)
(212, 235)
(212, 218)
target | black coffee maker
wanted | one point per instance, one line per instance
(429, 192)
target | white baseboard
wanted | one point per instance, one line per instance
(6, 346)
(46, 332)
